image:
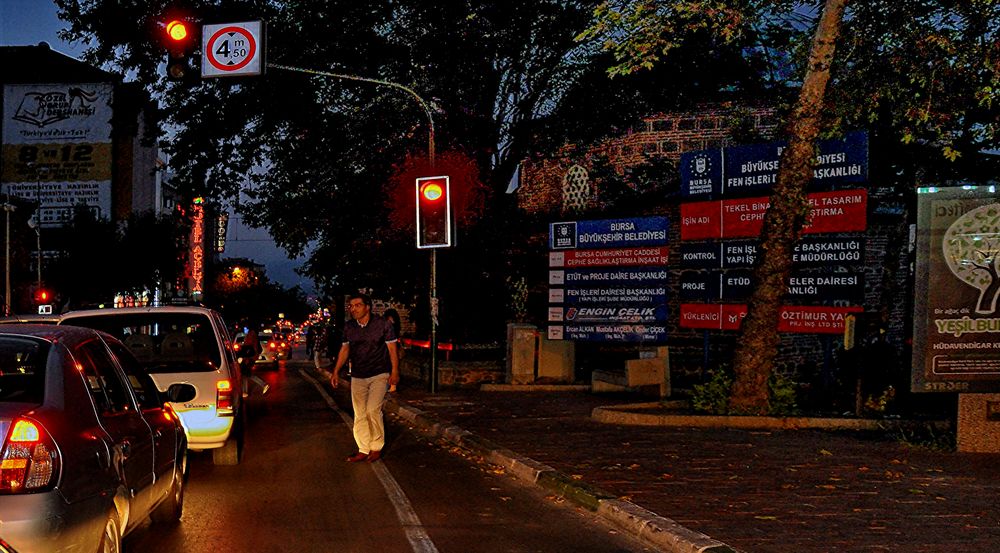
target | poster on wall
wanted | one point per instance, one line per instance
(956, 319)
(57, 147)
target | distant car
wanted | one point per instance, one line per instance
(29, 319)
(275, 347)
(184, 344)
(89, 447)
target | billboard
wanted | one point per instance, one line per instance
(956, 321)
(57, 147)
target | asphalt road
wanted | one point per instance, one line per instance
(293, 492)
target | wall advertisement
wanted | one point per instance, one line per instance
(57, 147)
(608, 233)
(956, 320)
(811, 251)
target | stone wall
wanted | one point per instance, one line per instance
(452, 373)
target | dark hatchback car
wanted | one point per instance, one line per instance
(89, 448)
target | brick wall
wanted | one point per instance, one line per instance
(665, 135)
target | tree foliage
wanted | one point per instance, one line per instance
(134, 256)
(320, 162)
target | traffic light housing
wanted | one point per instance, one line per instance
(433, 212)
(181, 41)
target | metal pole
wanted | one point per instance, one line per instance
(38, 238)
(6, 297)
(430, 155)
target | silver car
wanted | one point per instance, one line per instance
(186, 345)
(89, 447)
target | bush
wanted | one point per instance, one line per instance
(713, 396)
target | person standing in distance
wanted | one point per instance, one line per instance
(369, 343)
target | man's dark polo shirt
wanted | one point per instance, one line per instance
(369, 355)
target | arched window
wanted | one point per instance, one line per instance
(576, 189)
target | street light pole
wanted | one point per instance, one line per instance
(430, 155)
(7, 207)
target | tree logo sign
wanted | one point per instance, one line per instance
(971, 248)
(956, 325)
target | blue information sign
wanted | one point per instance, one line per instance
(608, 233)
(753, 169)
(649, 334)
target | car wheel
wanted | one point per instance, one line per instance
(230, 453)
(111, 539)
(172, 507)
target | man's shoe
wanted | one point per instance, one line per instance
(357, 457)
(374, 456)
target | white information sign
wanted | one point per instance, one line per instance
(232, 49)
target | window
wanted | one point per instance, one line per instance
(143, 386)
(164, 342)
(22, 369)
(106, 386)
(576, 189)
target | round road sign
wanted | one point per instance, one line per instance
(231, 49)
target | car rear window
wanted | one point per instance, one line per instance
(161, 342)
(22, 369)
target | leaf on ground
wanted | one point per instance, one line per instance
(916, 491)
(863, 469)
(625, 497)
(633, 466)
(576, 476)
(505, 498)
(765, 517)
(824, 452)
(667, 476)
(826, 486)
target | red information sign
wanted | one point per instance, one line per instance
(839, 211)
(793, 318)
(615, 257)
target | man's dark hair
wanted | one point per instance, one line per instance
(365, 298)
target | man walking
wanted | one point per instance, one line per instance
(369, 343)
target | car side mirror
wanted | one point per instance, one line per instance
(179, 393)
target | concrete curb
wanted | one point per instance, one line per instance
(625, 414)
(656, 531)
(534, 388)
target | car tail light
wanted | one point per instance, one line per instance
(284, 344)
(236, 347)
(30, 460)
(224, 397)
(272, 345)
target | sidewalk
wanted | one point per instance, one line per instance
(801, 491)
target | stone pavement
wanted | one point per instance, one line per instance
(801, 491)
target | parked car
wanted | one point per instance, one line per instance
(90, 448)
(184, 344)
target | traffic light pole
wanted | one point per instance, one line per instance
(430, 155)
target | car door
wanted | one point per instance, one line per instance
(132, 440)
(160, 421)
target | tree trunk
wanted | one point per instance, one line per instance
(758, 341)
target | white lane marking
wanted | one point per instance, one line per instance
(412, 527)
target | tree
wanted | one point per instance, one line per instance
(972, 252)
(102, 258)
(758, 342)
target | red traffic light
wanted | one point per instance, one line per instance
(177, 30)
(433, 213)
(432, 191)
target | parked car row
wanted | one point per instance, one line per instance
(97, 414)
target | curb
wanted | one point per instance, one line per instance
(626, 414)
(534, 388)
(654, 530)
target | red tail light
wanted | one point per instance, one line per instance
(284, 344)
(224, 398)
(272, 345)
(30, 460)
(236, 347)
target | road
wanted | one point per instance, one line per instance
(294, 492)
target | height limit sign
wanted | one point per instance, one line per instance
(232, 49)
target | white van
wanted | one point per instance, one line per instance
(185, 345)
